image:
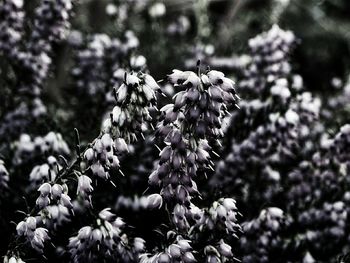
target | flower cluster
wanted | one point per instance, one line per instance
(45, 172)
(133, 99)
(18, 120)
(281, 154)
(51, 22)
(56, 215)
(84, 188)
(50, 25)
(262, 236)
(49, 193)
(179, 251)
(270, 149)
(102, 156)
(11, 26)
(135, 204)
(274, 128)
(336, 107)
(104, 241)
(27, 148)
(55, 208)
(99, 57)
(13, 259)
(329, 222)
(36, 236)
(186, 126)
(270, 52)
(30, 54)
(221, 216)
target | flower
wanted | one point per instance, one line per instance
(154, 201)
(84, 186)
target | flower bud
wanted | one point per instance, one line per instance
(192, 80)
(194, 113)
(107, 142)
(221, 212)
(149, 80)
(44, 171)
(122, 92)
(41, 233)
(56, 190)
(165, 154)
(215, 93)
(31, 223)
(193, 95)
(163, 170)
(153, 179)
(121, 145)
(201, 129)
(84, 233)
(148, 92)
(176, 162)
(205, 80)
(97, 169)
(89, 155)
(184, 245)
(154, 201)
(139, 244)
(181, 193)
(115, 163)
(175, 138)
(227, 85)
(215, 76)
(96, 235)
(292, 117)
(98, 146)
(106, 214)
(84, 185)
(174, 251)
(116, 114)
(42, 201)
(177, 76)
(179, 100)
(188, 257)
(65, 200)
(170, 116)
(118, 222)
(132, 80)
(229, 204)
(191, 159)
(21, 228)
(179, 211)
(163, 258)
(45, 189)
(225, 249)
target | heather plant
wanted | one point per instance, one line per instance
(31, 57)
(54, 206)
(188, 126)
(109, 154)
(272, 162)
(274, 128)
